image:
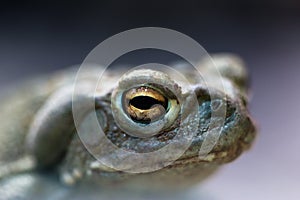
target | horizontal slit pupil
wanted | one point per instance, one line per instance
(145, 102)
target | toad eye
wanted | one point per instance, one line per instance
(145, 103)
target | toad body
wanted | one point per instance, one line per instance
(155, 130)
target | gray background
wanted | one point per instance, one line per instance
(39, 38)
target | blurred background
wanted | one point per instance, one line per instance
(41, 37)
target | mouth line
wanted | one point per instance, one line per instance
(195, 159)
(185, 161)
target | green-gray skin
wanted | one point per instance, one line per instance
(28, 143)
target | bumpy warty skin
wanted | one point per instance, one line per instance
(77, 165)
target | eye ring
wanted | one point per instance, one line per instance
(146, 102)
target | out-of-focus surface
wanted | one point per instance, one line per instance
(41, 38)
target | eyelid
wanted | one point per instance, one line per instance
(144, 91)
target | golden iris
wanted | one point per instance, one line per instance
(144, 104)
